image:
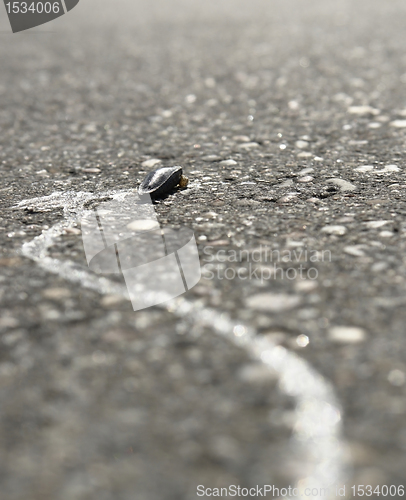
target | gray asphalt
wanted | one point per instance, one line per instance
(98, 401)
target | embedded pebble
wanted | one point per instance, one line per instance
(301, 144)
(336, 230)
(307, 170)
(374, 224)
(241, 138)
(347, 334)
(287, 183)
(288, 197)
(398, 123)
(92, 170)
(56, 293)
(357, 143)
(379, 266)
(273, 302)
(305, 154)
(363, 110)
(249, 145)
(355, 250)
(228, 162)
(388, 169)
(306, 285)
(112, 300)
(8, 322)
(386, 234)
(306, 178)
(342, 184)
(151, 163)
(211, 158)
(143, 225)
(396, 377)
(364, 168)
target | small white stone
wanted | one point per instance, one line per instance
(288, 197)
(143, 225)
(90, 127)
(56, 293)
(273, 302)
(306, 170)
(8, 322)
(342, 184)
(305, 178)
(347, 334)
(364, 168)
(210, 82)
(379, 266)
(386, 234)
(241, 138)
(151, 163)
(92, 170)
(305, 154)
(357, 143)
(287, 183)
(228, 162)
(249, 145)
(293, 105)
(355, 250)
(398, 123)
(396, 378)
(306, 285)
(294, 244)
(336, 230)
(375, 224)
(112, 300)
(388, 169)
(374, 125)
(363, 110)
(301, 144)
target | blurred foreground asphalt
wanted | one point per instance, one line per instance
(308, 100)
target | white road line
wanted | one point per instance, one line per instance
(317, 432)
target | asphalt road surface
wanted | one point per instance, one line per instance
(289, 118)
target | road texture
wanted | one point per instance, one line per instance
(289, 118)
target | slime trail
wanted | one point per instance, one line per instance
(317, 431)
